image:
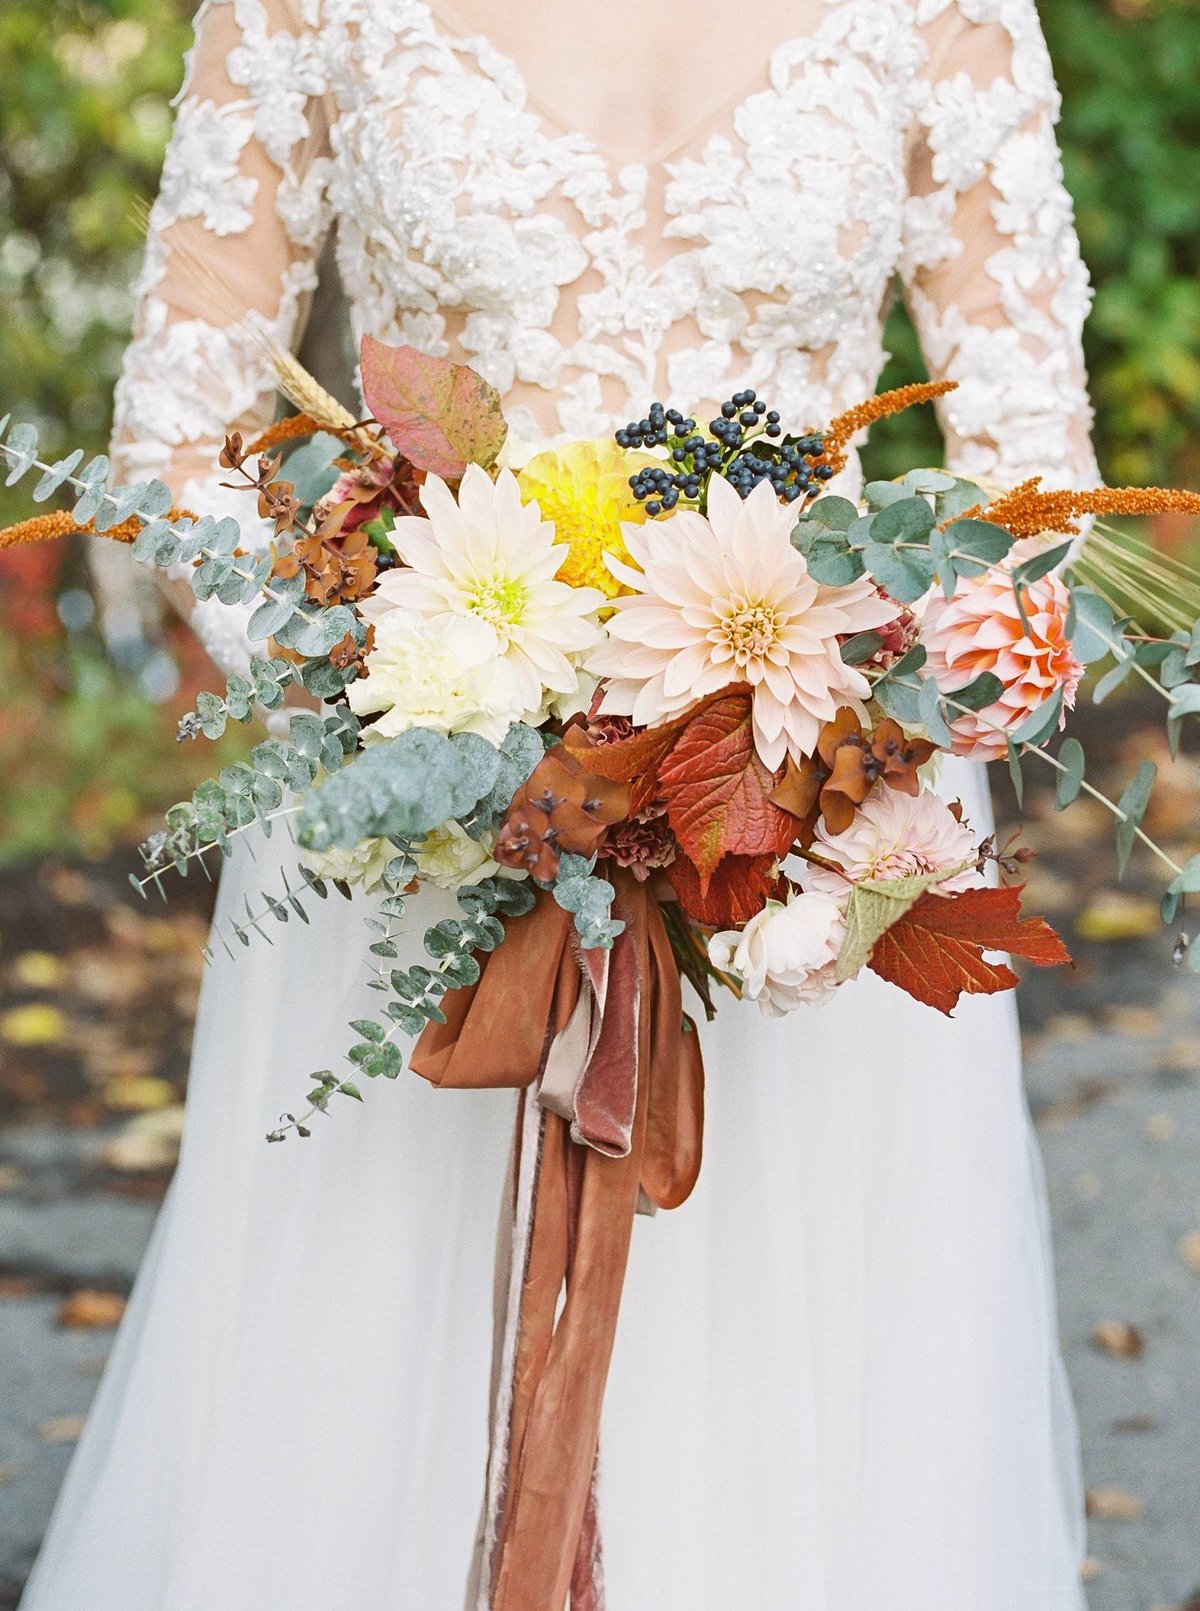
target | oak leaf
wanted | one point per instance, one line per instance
(935, 952)
(440, 415)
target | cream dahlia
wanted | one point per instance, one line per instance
(725, 598)
(980, 629)
(786, 954)
(488, 556)
(450, 675)
(894, 835)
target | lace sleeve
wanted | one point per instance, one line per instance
(991, 262)
(234, 238)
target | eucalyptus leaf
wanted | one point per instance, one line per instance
(1094, 633)
(1041, 723)
(904, 573)
(932, 714)
(1039, 565)
(1132, 806)
(861, 647)
(978, 694)
(878, 494)
(1070, 781)
(908, 520)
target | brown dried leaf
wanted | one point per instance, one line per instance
(1118, 1338)
(61, 1428)
(1113, 1504)
(90, 1310)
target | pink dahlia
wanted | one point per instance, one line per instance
(894, 835)
(980, 629)
(724, 598)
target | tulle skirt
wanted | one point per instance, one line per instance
(836, 1384)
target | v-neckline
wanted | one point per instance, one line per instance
(450, 30)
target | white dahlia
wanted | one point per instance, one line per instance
(894, 835)
(723, 598)
(450, 675)
(488, 556)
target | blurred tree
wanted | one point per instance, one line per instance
(1130, 134)
(84, 116)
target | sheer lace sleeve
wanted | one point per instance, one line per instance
(234, 238)
(991, 262)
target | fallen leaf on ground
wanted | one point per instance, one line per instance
(1113, 916)
(37, 1023)
(38, 970)
(1135, 1423)
(1162, 1127)
(61, 1428)
(88, 1309)
(147, 1143)
(1137, 1023)
(1118, 1338)
(1113, 1504)
(1189, 1250)
(138, 1094)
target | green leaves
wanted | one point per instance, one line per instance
(1132, 806)
(1070, 780)
(412, 784)
(588, 898)
(1093, 626)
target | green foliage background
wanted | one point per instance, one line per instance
(84, 113)
(85, 87)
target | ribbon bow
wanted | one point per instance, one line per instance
(611, 1110)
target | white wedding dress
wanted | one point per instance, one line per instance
(837, 1383)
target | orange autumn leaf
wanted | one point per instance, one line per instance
(935, 952)
(718, 790)
(735, 893)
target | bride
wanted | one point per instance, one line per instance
(837, 1382)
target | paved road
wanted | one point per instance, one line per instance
(1116, 1089)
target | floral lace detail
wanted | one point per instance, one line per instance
(910, 136)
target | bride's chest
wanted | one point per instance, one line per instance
(457, 191)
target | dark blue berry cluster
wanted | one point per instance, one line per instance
(745, 444)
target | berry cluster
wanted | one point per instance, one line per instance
(745, 444)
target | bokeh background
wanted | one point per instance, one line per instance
(97, 990)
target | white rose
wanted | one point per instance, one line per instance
(449, 857)
(786, 955)
(451, 676)
(363, 865)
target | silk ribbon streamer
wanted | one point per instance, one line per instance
(611, 1108)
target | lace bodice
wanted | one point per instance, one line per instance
(865, 138)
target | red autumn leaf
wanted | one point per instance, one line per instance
(735, 893)
(718, 790)
(636, 760)
(440, 415)
(935, 952)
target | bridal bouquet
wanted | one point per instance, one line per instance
(665, 658)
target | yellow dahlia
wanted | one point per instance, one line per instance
(583, 488)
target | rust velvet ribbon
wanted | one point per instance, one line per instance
(631, 1124)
